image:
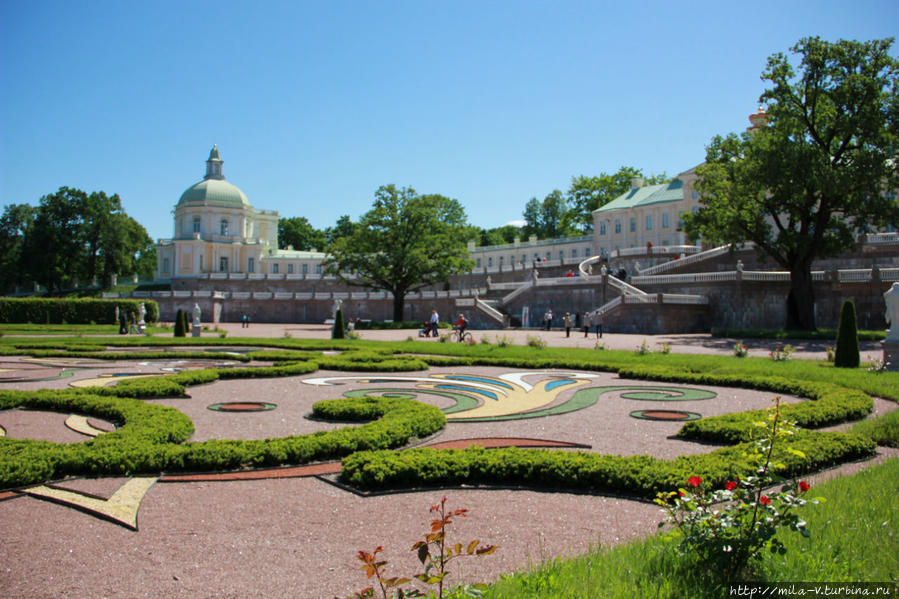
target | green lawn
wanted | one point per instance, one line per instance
(854, 537)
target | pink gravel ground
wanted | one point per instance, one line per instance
(297, 537)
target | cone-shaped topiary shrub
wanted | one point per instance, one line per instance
(179, 323)
(847, 338)
(186, 316)
(337, 330)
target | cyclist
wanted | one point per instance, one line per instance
(460, 326)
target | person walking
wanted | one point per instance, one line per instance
(548, 319)
(597, 322)
(566, 320)
(588, 320)
(433, 322)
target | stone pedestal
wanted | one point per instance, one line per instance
(891, 355)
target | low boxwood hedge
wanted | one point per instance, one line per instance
(401, 419)
(151, 437)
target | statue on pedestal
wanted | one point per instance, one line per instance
(142, 323)
(196, 328)
(891, 299)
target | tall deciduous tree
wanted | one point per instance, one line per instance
(821, 170)
(586, 194)
(75, 235)
(550, 218)
(405, 242)
(300, 234)
(14, 223)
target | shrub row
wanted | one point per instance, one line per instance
(150, 440)
(641, 476)
(638, 476)
(830, 404)
(133, 447)
(70, 311)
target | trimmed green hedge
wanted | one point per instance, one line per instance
(402, 419)
(150, 440)
(641, 476)
(71, 311)
(637, 476)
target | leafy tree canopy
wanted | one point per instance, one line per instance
(550, 218)
(822, 169)
(586, 194)
(73, 235)
(498, 235)
(298, 233)
(405, 242)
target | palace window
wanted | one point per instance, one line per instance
(649, 222)
(305, 269)
(224, 226)
(275, 268)
(618, 225)
(196, 224)
(602, 227)
(165, 265)
(251, 265)
(290, 269)
(633, 224)
(666, 221)
(223, 264)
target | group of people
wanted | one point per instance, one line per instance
(430, 327)
(589, 321)
(130, 323)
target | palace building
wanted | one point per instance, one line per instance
(217, 230)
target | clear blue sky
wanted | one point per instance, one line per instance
(315, 104)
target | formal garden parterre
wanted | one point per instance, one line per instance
(151, 439)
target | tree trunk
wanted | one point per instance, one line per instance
(801, 299)
(399, 303)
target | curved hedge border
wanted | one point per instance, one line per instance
(151, 438)
(640, 476)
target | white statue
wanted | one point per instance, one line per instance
(891, 299)
(739, 266)
(196, 328)
(142, 323)
(603, 270)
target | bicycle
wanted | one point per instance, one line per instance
(464, 336)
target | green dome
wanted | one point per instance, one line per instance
(215, 191)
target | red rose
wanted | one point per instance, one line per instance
(730, 485)
(764, 500)
(694, 481)
(804, 486)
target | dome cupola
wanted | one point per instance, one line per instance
(213, 189)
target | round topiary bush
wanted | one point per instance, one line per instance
(847, 338)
